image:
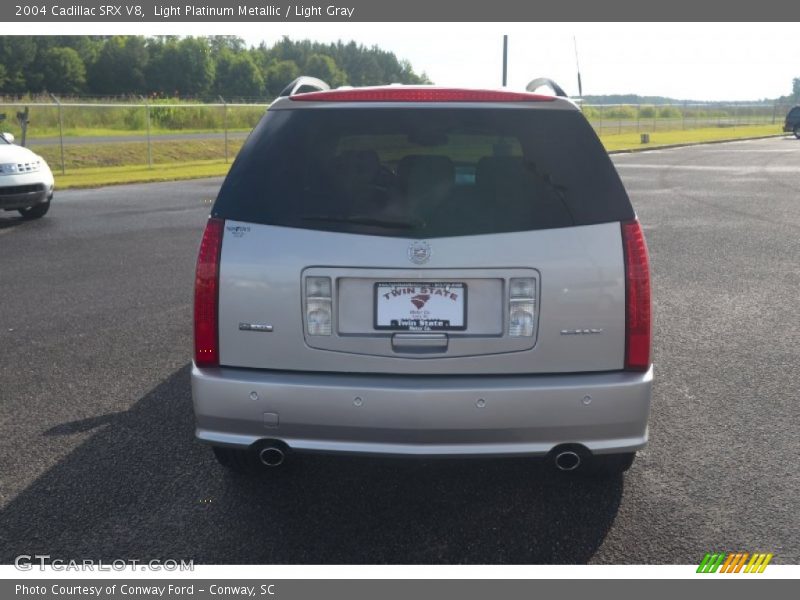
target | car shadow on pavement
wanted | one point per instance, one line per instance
(7, 221)
(139, 488)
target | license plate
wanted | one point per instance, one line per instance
(430, 306)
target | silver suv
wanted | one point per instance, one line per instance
(423, 271)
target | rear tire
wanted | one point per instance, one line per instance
(796, 131)
(36, 212)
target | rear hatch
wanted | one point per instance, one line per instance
(433, 238)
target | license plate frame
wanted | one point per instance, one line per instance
(437, 293)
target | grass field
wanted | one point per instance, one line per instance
(91, 165)
(631, 141)
(170, 116)
(95, 177)
(79, 157)
(106, 132)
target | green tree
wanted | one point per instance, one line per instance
(195, 67)
(182, 67)
(120, 67)
(325, 68)
(162, 69)
(796, 89)
(63, 71)
(238, 76)
(17, 55)
(87, 46)
(280, 74)
(191, 66)
(221, 43)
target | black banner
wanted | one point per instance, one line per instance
(272, 11)
(438, 589)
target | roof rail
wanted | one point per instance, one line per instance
(544, 81)
(303, 82)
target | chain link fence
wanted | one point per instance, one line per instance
(611, 119)
(74, 134)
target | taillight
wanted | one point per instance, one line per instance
(637, 298)
(419, 94)
(206, 296)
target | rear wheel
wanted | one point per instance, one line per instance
(796, 131)
(36, 212)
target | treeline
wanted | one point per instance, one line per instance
(186, 67)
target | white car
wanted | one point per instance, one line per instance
(26, 182)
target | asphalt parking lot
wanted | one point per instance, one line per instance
(97, 457)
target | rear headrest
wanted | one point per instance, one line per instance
(417, 171)
(356, 165)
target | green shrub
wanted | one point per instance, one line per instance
(669, 112)
(647, 112)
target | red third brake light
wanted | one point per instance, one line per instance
(419, 94)
(206, 296)
(637, 298)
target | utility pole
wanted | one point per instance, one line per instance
(225, 124)
(505, 60)
(577, 67)
(60, 130)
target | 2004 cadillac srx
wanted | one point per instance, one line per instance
(423, 271)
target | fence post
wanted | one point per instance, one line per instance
(23, 120)
(60, 131)
(600, 110)
(149, 138)
(225, 124)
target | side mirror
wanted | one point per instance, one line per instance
(9, 137)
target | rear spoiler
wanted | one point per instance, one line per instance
(293, 88)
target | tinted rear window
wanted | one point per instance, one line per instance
(423, 172)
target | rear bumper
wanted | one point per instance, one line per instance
(427, 416)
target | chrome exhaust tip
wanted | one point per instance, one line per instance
(567, 460)
(271, 456)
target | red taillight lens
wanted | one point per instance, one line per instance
(413, 94)
(206, 296)
(637, 298)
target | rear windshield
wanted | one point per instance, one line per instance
(423, 172)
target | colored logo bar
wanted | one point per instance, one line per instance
(734, 562)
